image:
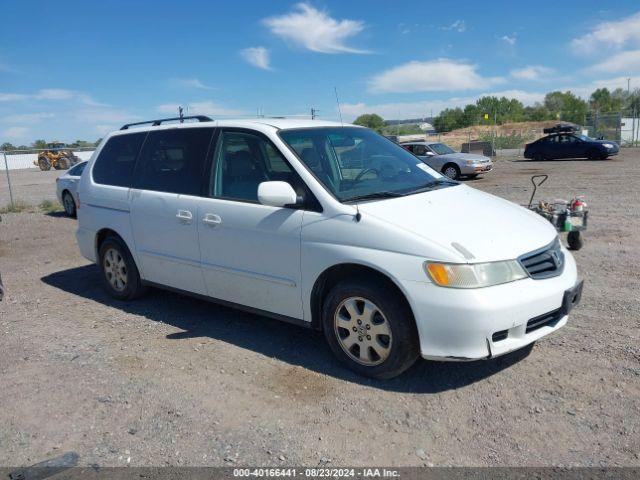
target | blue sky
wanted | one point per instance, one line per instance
(77, 69)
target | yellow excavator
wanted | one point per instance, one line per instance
(56, 155)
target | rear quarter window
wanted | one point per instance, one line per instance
(117, 160)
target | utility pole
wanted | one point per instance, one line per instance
(314, 113)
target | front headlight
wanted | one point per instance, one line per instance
(471, 162)
(607, 145)
(475, 275)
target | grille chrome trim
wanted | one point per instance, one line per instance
(545, 262)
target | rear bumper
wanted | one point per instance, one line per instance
(457, 324)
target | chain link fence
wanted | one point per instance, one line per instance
(24, 184)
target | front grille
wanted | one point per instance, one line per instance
(548, 319)
(499, 336)
(544, 263)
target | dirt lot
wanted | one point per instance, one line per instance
(168, 380)
(29, 185)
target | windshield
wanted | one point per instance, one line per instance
(584, 138)
(441, 148)
(355, 163)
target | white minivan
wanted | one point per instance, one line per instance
(324, 225)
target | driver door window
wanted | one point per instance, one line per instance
(242, 162)
(420, 150)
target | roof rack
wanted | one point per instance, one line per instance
(560, 128)
(160, 121)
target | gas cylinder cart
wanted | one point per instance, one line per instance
(567, 216)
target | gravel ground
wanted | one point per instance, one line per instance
(169, 380)
(29, 185)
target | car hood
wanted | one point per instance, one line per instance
(473, 225)
(467, 156)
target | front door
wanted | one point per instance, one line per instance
(250, 253)
(164, 205)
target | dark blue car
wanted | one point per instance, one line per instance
(564, 142)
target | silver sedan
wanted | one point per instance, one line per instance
(66, 188)
(446, 160)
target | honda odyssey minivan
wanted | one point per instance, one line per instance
(325, 225)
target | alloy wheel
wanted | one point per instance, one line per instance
(363, 331)
(115, 269)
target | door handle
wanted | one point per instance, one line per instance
(184, 216)
(212, 219)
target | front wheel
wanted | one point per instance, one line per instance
(44, 164)
(370, 329)
(120, 275)
(452, 171)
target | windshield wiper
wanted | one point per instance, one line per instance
(434, 184)
(374, 195)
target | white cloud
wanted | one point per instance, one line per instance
(107, 115)
(531, 72)
(27, 118)
(315, 30)
(434, 75)
(104, 129)
(621, 62)
(585, 90)
(198, 108)
(15, 133)
(458, 26)
(53, 94)
(189, 83)
(511, 40)
(615, 34)
(257, 56)
(12, 97)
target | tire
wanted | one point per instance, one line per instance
(451, 171)
(119, 273)
(63, 163)
(538, 157)
(574, 239)
(69, 204)
(44, 163)
(593, 155)
(391, 351)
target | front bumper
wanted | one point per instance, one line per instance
(476, 169)
(459, 324)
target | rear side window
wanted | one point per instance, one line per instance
(173, 161)
(117, 160)
(78, 169)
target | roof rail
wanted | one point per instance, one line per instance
(160, 121)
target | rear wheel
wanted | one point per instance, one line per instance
(538, 157)
(69, 204)
(451, 170)
(44, 163)
(120, 275)
(369, 329)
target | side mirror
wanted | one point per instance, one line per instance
(430, 154)
(277, 194)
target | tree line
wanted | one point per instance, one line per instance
(42, 144)
(557, 105)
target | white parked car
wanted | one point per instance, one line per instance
(446, 160)
(328, 226)
(66, 186)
